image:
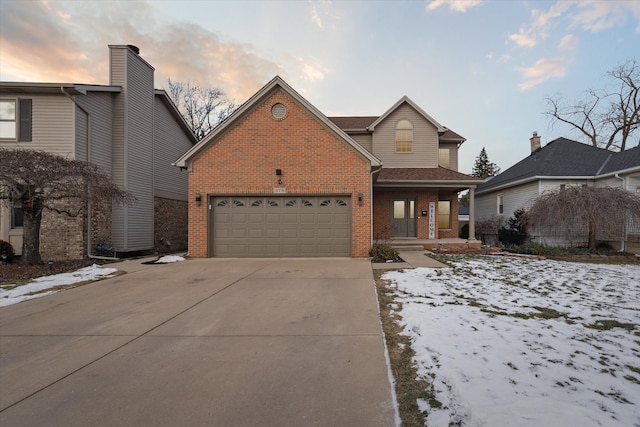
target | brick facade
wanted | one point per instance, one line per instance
(382, 212)
(171, 220)
(313, 160)
(62, 236)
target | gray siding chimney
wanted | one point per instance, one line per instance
(535, 142)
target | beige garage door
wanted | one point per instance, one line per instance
(280, 226)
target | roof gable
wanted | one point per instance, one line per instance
(277, 82)
(405, 99)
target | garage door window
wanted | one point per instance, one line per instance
(307, 203)
(325, 203)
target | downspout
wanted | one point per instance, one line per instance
(88, 148)
(623, 246)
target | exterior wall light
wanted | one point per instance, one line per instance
(360, 199)
(279, 175)
(198, 199)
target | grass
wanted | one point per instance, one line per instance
(409, 387)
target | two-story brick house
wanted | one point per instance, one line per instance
(131, 130)
(279, 178)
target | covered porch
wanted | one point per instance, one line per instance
(419, 207)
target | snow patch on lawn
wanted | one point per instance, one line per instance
(510, 341)
(47, 285)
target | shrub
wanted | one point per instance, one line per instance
(515, 233)
(382, 252)
(6, 250)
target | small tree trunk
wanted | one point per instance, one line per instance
(31, 234)
(592, 237)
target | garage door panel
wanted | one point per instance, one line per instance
(273, 218)
(281, 226)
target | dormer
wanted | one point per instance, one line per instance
(405, 136)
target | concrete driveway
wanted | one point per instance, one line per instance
(213, 342)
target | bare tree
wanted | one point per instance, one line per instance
(591, 211)
(203, 108)
(38, 181)
(607, 118)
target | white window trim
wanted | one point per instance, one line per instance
(15, 119)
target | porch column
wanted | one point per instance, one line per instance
(472, 215)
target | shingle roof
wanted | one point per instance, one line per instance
(622, 160)
(450, 135)
(354, 122)
(566, 158)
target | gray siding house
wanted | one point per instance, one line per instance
(129, 129)
(561, 163)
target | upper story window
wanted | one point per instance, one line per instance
(444, 157)
(15, 119)
(500, 204)
(404, 137)
(8, 116)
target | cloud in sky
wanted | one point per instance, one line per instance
(454, 5)
(601, 15)
(590, 15)
(531, 33)
(39, 42)
(323, 15)
(548, 68)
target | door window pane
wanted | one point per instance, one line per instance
(398, 209)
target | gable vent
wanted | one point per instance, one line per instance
(278, 111)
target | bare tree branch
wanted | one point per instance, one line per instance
(37, 181)
(608, 118)
(203, 108)
(588, 211)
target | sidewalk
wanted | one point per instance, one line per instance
(412, 259)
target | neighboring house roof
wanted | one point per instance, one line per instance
(439, 176)
(564, 158)
(623, 160)
(405, 99)
(53, 88)
(70, 89)
(277, 82)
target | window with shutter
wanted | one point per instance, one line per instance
(24, 112)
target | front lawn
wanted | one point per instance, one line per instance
(513, 341)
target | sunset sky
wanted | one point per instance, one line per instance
(481, 68)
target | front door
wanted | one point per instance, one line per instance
(403, 218)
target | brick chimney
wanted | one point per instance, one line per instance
(535, 141)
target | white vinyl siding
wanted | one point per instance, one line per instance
(52, 126)
(99, 105)
(425, 141)
(515, 198)
(366, 140)
(453, 155)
